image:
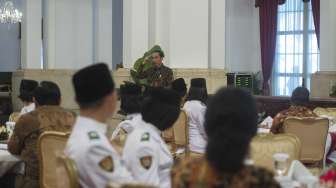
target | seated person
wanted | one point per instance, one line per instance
(131, 97)
(195, 108)
(180, 86)
(145, 153)
(96, 159)
(27, 88)
(230, 125)
(48, 116)
(159, 75)
(299, 101)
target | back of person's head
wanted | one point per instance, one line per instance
(27, 88)
(179, 86)
(47, 93)
(198, 90)
(300, 96)
(131, 97)
(92, 85)
(161, 108)
(230, 124)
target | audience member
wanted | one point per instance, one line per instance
(230, 124)
(131, 98)
(48, 116)
(195, 108)
(145, 153)
(298, 108)
(97, 161)
(180, 86)
(159, 75)
(27, 88)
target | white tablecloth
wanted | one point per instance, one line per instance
(8, 161)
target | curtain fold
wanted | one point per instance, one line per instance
(268, 14)
(316, 16)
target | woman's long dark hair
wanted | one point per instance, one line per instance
(230, 123)
(198, 94)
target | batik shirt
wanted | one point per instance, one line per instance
(157, 76)
(295, 111)
(197, 173)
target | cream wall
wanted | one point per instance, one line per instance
(191, 32)
(68, 34)
(321, 81)
(328, 37)
(242, 36)
(31, 41)
(220, 34)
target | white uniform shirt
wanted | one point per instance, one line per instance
(147, 156)
(127, 125)
(97, 161)
(197, 137)
(27, 109)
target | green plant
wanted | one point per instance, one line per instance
(257, 83)
(332, 92)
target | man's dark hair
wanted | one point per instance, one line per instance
(161, 53)
(300, 96)
(230, 124)
(91, 105)
(130, 98)
(161, 108)
(47, 93)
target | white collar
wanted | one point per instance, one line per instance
(196, 101)
(151, 127)
(132, 116)
(92, 124)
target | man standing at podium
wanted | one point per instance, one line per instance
(159, 75)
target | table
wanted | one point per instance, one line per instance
(9, 161)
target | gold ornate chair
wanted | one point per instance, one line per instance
(14, 117)
(168, 135)
(264, 146)
(330, 112)
(130, 186)
(312, 133)
(112, 124)
(66, 173)
(51, 144)
(177, 137)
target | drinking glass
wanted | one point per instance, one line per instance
(280, 163)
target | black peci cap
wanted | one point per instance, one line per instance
(179, 85)
(27, 88)
(130, 89)
(92, 83)
(198, 83)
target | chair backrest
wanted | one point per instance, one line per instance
(66, 173)
(312, 133)
(264, 146)
(134, 185)
(51, 144)
(14, 117)
(168, 135)
(181, 130)
(178, 135)
(112, 124)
